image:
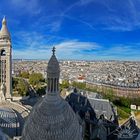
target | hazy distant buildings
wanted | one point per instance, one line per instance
(117, 73)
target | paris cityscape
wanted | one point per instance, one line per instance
(121, 73)
(69, 70)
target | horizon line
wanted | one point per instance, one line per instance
(20, 59)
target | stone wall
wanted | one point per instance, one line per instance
(117, 90)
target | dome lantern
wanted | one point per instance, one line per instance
(52, 118)
(53, 72)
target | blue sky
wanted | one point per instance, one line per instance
(80, 29)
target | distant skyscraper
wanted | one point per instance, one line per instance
(5, 61)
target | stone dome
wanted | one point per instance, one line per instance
(4, 33)
(52, 118)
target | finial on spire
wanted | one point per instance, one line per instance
(53, 50)
(4, 20)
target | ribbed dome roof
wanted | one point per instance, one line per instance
(52, 118)
(4, 31)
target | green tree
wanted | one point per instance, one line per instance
(22, 87)
(41, 91)
(24, 74)
(79, 85)
(35, 79)
(122, 114)
(14, 83)
(122, 101)
(108, 94)
(136, 101)
(65, 84)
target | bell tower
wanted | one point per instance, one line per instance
(5, 60)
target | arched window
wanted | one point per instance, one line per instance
(3, 53)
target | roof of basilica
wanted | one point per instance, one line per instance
(8, 121)
(127, 131)
(52, 118)
(12, 116)
(3, 136)
(99, 106)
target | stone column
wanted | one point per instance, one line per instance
(2, 93)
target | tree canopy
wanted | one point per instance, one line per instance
(35, 78)
(24, 74)
(22, 87)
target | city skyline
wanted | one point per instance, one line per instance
(90, 30)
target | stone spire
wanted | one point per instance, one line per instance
(53, 72)
(4, 33)
(52, 118)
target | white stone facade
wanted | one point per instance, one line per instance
(5, 60)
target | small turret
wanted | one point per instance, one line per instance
(53, 72)
(4, 33)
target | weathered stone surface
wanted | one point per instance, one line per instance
(52, 118)
(2, 93)
(6, 60)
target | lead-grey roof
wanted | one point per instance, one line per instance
(8, 121)
(127, 131)
(52, 119)
(3, 136)
(97, 106)
(102, 106)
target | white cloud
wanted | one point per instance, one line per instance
(121, 52)
(65, 50)
(80, 21)
(76, 45)
(113, 15)
(74, 49)
(84, 2)
(121, 16)
(28, 6)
